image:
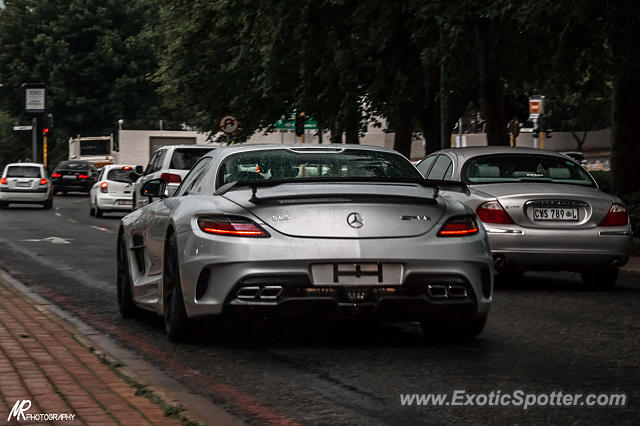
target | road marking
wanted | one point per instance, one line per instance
(71, 220)
(58, 214)
(53, 240)
(100, 228)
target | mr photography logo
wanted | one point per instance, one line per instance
(20, 408)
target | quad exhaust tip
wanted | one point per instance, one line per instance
(452, 291)
(269, 292)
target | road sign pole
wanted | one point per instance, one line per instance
(44, 150)
(34, 139)
(535, 127)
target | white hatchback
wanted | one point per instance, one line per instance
(113, 190)
(25, 183)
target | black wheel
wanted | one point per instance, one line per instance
(123, 286)
(47, 204)
(454, 330)
(92, 212)
(604, 278)
(176, 321)
(98, 211)
(3, 205)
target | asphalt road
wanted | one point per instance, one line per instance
(545, 333)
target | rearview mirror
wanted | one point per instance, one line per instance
(153, 188)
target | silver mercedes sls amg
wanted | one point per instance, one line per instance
(540, 209)
(303, 228)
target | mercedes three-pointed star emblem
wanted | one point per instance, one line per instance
(355, 220)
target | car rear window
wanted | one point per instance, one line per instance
(524, 168)
(23, 171)
(285, 164)
(73, 165)
(185, 158)
(121, 175)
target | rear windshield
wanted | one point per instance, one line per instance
(184, 159)
(121, 175)
(284, 164)
(95, 147)
(23, 171)
(73, 165)
(524, 168)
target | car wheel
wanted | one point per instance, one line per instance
(92, 212)
(47, 204)
(600, 278)
(123, 285)
(98, 211)
(3, 205)
(175, 315)
(455, 329)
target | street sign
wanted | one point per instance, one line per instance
(34, 97)
(229, 124)
(18, 128)
(536, 106)
(289, 123)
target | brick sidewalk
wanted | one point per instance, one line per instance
(41, 361)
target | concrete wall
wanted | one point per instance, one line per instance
(133, 145)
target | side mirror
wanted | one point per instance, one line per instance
(134, 176)
(153, 188)
(139, 170)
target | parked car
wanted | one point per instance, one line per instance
(170, 163)
(336, 230)
(113, 191)
(25, 183)
(541, 210)
(73, 175)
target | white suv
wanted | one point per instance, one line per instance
(25, 183)
(170, 163)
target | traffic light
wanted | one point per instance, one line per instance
(49, 121)
(46, 132)
(301, 120)
(535, 133)
(548, 133)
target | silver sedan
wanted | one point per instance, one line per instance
(346, 230)
(541, 210)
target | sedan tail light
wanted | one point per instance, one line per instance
(3, 181)
(493, 212)
(170, 178)
(617, 216)
(43, 181)
(56, 175)
(232, 226)
(104, 187)
(459, 227)
(83, 176)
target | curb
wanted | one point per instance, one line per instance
(131, 368)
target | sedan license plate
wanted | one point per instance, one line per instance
(124, 202)
(366, 274)
(23, 184)
(68, 177)
(555, 213)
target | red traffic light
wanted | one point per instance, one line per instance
(45, 131)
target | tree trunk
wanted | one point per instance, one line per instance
(579, 140)
(336, 133)
(491, 88)
(404, 131)
(625, 149)
(429, 110)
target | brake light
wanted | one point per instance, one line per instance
(459, 227)
(104, 187)
(617, 216)
(43, 181)
(492, 212)
(55, 175)
(83, 176)
(126, 168)
(170, 178)
(3, 181)
(231, 226)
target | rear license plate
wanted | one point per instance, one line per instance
(555, 214)
(366, 274)
(123, 202)
(23, 184)
(68, 177)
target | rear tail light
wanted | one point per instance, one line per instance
(83, 176)
(56, 175)
(43, 181)
(170, 178)
(617, 216)
(126, 168)
(231, 226)
(104, 187)
(3, 181)
(492, 212)
(459, 227)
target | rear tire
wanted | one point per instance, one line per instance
(92, 212)
(47, 204)
(176, 322)
(459, 330)
(126, 306)
(603, 279)
(98, 211)
(3, 205)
